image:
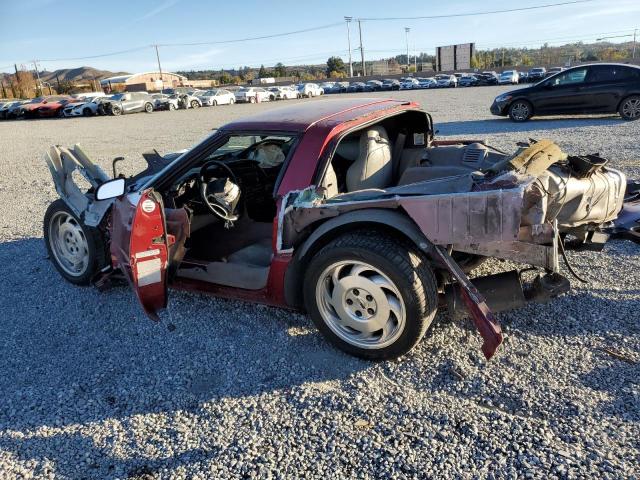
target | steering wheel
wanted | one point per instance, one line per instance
(220, 194)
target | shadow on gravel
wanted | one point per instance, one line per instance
(72, 356)
(504, 125)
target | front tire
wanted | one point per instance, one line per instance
(370, 295)
(148, 107)
(195, 104)
(77, 251)
(86, 112)
(630, 108)
(520, 111)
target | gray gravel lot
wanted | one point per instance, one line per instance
(90, 388)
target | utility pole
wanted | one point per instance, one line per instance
(348, 20)
(415, 58)
(364, 68)
(633, 52)
(406, 35)
(39, 85)
(160, 69)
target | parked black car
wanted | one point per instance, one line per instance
(358, 87)
(486, 79)
(537, 73)
(596, 88)
(468, 81)
(373, 86)
(390, 84)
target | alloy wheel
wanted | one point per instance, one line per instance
(360, 304)
(68, 244)
(631, 108)
(520, 111)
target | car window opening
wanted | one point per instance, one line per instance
(240, 175)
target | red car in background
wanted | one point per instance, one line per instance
(54, 109)
(32, 109)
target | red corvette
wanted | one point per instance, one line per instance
(347, 209)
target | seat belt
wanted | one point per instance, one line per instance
(397, 154)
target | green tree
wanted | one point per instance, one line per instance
(280, 70)
(335, 64)
(262, 72)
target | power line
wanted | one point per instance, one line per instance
(471, 14)
(247, 39)
(120, 52)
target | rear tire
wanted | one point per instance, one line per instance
(86, 112)
(373, 280)
(195, 104)
(68, 240)
(148, 107)
(171, 106)
(630, 108)
(520, 111)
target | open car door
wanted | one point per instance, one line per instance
(140, 246)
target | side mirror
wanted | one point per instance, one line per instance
(111, 189)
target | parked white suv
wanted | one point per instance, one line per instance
(310, 90)
(509, 77)
(252, 94)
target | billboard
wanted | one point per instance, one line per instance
(454, 57)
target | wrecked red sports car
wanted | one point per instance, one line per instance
(347, 209)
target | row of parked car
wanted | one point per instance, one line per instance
(99, 103)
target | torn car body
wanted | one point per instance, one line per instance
(254, 210)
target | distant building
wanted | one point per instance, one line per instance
(148, 81)
(385, 67)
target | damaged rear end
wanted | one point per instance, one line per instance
(527, 208)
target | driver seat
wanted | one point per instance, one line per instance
(373, 167)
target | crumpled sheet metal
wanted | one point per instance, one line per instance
(62, 163)
(467, 218)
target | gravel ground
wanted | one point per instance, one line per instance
(90, 388)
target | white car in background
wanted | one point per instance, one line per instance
(509, 77)
(445, 80)
(409, 84)
(88, 96)
(218, 96)
(252, 95)
(84, 109)
(284, 93)
(162, 101)
(310, 90)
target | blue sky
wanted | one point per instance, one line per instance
(52, 29)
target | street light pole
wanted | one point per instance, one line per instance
(633, 52)
(160, 69)
(406, 35)
(364, 68)
(35, 65)
(348, 20)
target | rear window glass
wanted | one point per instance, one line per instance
(609, 73)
